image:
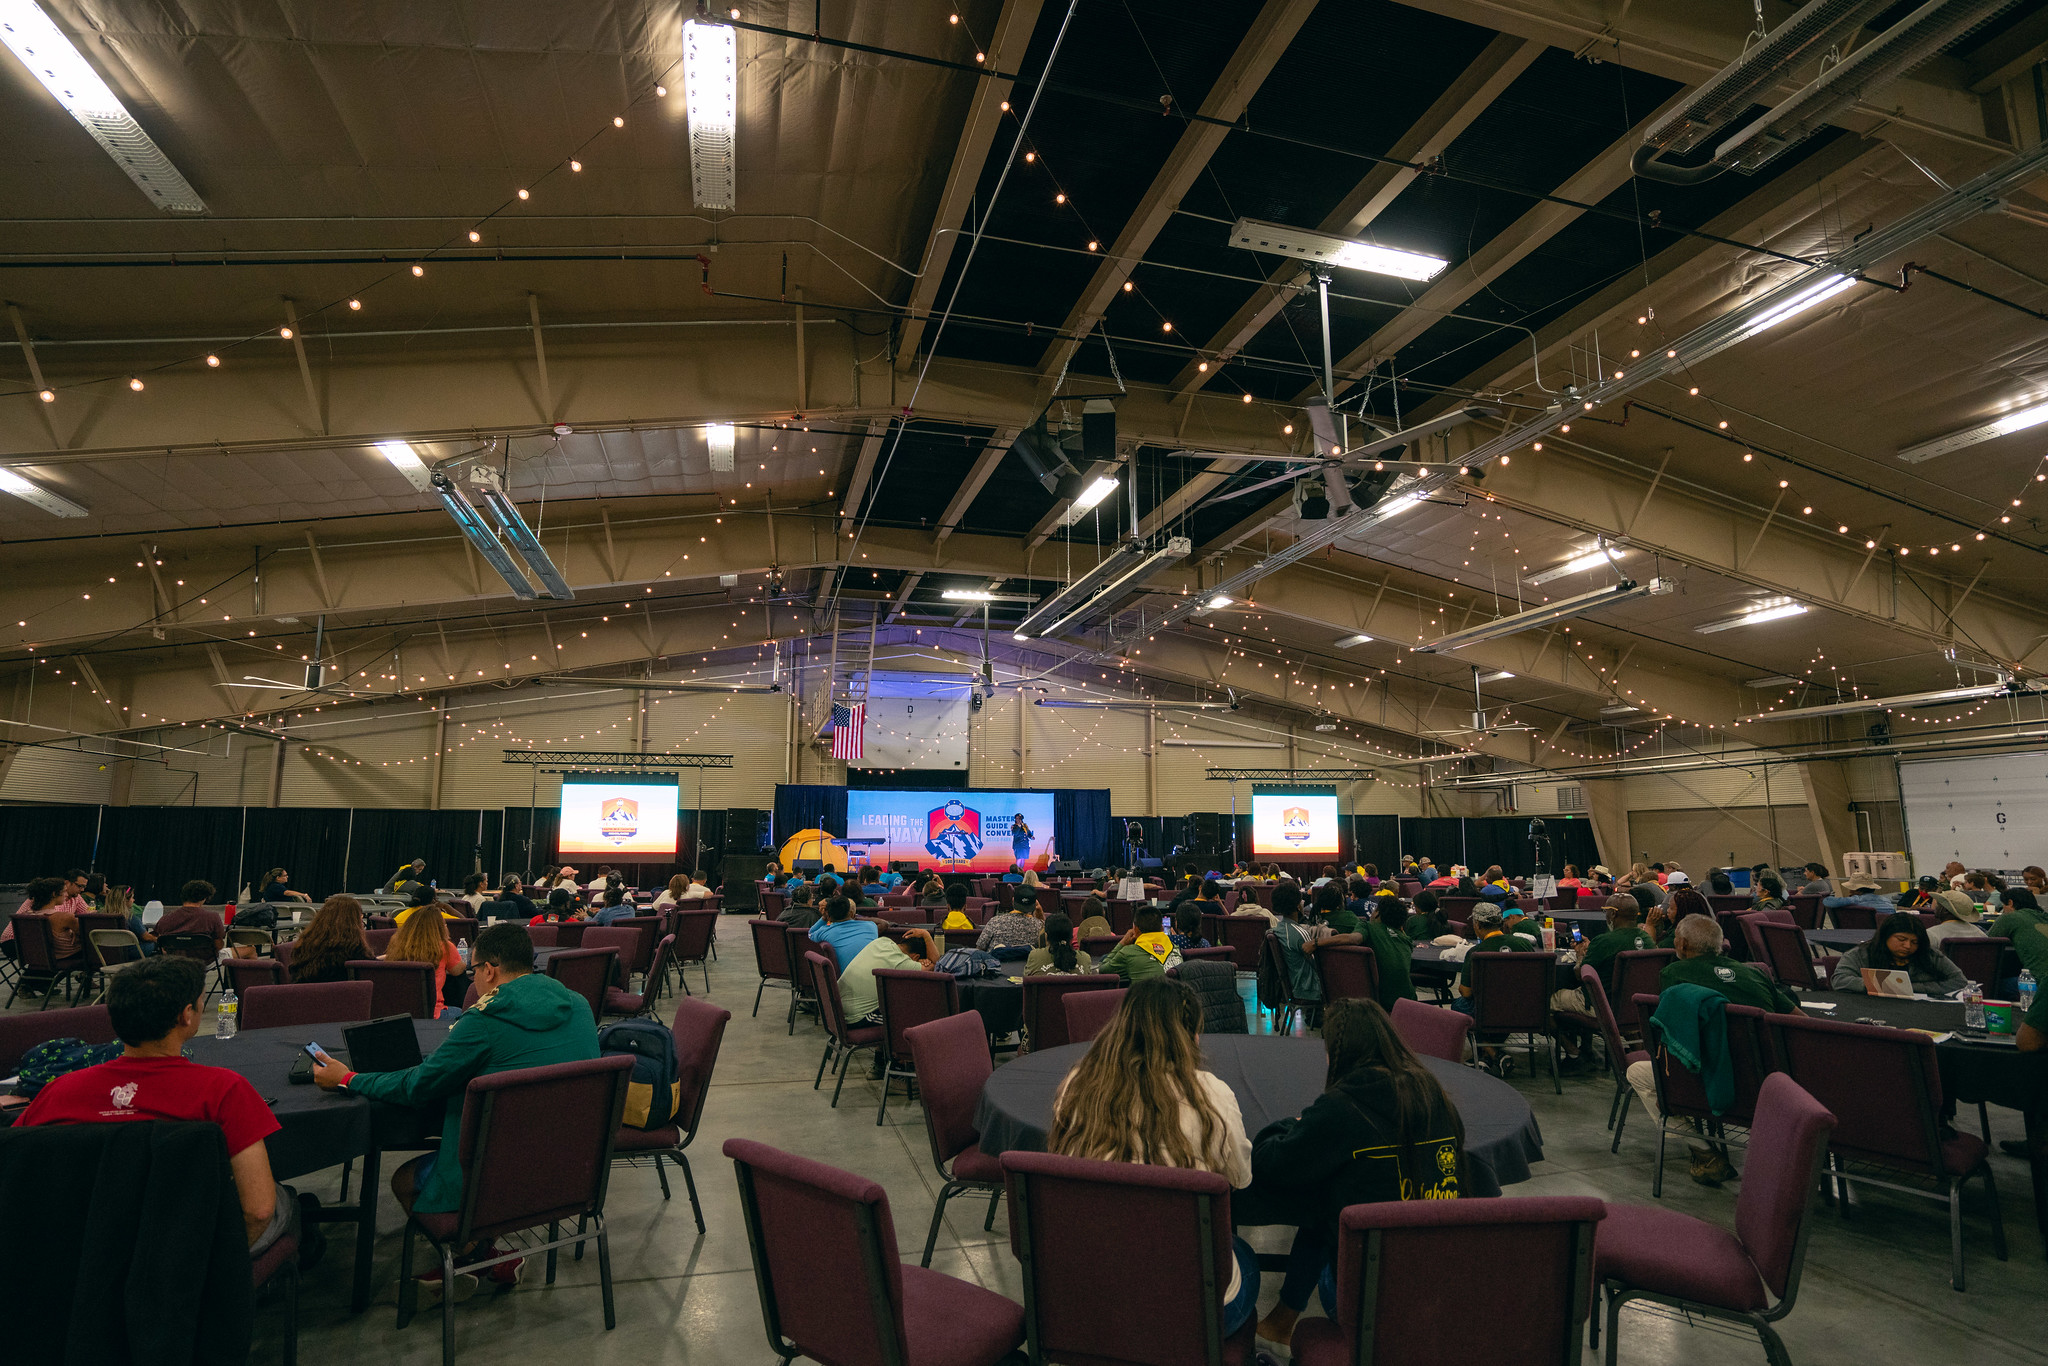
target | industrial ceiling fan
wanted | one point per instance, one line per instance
(1483, 722)
(1381, 456)
(315, 675)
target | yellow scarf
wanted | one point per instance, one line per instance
(1156, 944)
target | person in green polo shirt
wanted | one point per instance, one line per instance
(1331, 910)
(1700, 963)
(1623, 934)
(1385, 935)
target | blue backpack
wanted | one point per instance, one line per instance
(654, 1093)
(51, 1059)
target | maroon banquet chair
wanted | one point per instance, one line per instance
(1349, 972)
(1215, 953)
(909, 997)
(1045, 1014)
(1511, 995)
(1636, 972)
(246, 973)
(535, 1149)
(1094, 1238)
(1785, 948)
(1806, 910)
(1096, 945)
(1682, 1093)
(401, 988)
(283, 1006)
(804, 1218)
(1979, 958)
(281, 953)
(1391, 1261)
(38, 948)
(569, 933)
(695, 932)
(619, 1001)
(1619, 1054)
(1432, 1030)
(548, 936)
(587, 972)
(1244, 934)
(378, 939)
(842, 1040)
(461, 929)
(280, 1263)
(20, 1033)
(1652, 1253)
(699, 1031)
(1089, 1013)
(1884, 1089)
(801, 995)
(771, 960)
(626, 940)
(952, 1061)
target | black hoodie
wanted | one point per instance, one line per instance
(1346, 1149)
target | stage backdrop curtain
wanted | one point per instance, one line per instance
(1081, 825)
(1442, 838)
(1377, 840)
(809, 806)
(45, 841)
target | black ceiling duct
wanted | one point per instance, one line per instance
(1046, 461)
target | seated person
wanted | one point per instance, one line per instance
(521, 1019)
(1446, 881)
(275, 888)
(1427, 921)
(933, 892)
(1385, 933)
(678, 887)
(857, 989)
(1493, 885)
(325, 947)
(616, 907)
(1959, 918)
(473, 894)
(48, 899)
(1300, 935)
(1981, 892)
(423, 896)
(561, 906)
(2018, 909)
(841, 932)
(800, 911)
(155, 1010)
(1701, 964)
(406, 878)
(1140, 1095)
(424, 939)
(698, 890)
(1719, 883)
(1208, 900)
(1382, 1130)
(1622, 935)
(1900, 942)
(1144, 952)
(1331, 910)
(1494, 935)
(1014, 875)
(1767, 892)
(1856, 891)
(1056, 955)
(192, 917)
(512, 890)
(1021, 928)
(1569, 878)
(1817, 883)
(1094, 918)
(1424, 871)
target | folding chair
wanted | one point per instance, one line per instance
(699, 1031)
(910, 997)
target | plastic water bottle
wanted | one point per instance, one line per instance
(1549, 934)
(229, 1017)
(2027, 985)
(462, 952)
(1973, 1007)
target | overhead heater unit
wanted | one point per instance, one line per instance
(479, 533)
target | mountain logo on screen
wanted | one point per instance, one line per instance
(1294, 825)
(618, 820)
(953, 831)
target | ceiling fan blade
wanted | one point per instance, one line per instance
(1469, 413)
(1323, 425)
(251, 681)
(1228, 495)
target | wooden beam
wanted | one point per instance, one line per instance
(970, 488)
(1491, 72)
(863, 470)
(977, 134)
(1263, 46)
(319, 418)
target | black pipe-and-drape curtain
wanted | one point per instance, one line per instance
(1081, 826)
(809, 806)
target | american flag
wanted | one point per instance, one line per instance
(847, 724)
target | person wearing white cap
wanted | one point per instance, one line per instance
(1960, 918)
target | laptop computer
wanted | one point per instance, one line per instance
(385, 1045)
(1887, 982)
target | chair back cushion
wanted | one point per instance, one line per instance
(284, 1006)
(1882, 1086)
(911, 997)
(824, 975)
(536, 1142)
(569, 933)
(401, 988)
(1603, 1011)
(625, 939)
(38, 946)
(1045, 1017)
(587, 972)
(951, 1056)
(1097, 1238)
(694, 930)
(246, 974)
(548, 936)
(1432, 1030)
(461, 930)
(1785, 948)
(1511, 990)
(1349, 973)
(1089, 1013)
(698, 1030)
(1391, 1261)
(1244, 934)
(771, 948)
(378, 938)
(1637, 972)
(1684, 1093)
(1785, 1146)
(825, 1258)
(1978, 958)
(22, 1030)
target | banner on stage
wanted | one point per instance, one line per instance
(968, 832)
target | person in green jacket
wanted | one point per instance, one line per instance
(1392, 952)
(1623, 935)
(520, 1020)
(1144, 951)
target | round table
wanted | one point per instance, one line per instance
(321, 1129)
(1273, 1077)
(999, 999)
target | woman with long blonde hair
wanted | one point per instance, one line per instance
(1140, 1095)
(424, 939)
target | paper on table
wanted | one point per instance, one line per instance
(1825, 1006)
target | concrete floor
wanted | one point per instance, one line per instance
(1876, 1285)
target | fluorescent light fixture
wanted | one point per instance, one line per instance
(1103, 486)
(1773, 609)
(718, 438)
(1819, 292)
(1018, 635)
(1349, 641)
(1399, 503)
(407, 462)
(1136, 706)
(1625, 591)
(1774, 681)
(968, 595)
(56, 61)
(2018, 420)
(479, 534)
(1280, 240)
(1123, 567)
(711, 82)
(1619, 709)
(1225, 744)
(520, 536)
(1592, 559)
(1495, 677)
(29, 492)
(1899, 703)
(1221, 600)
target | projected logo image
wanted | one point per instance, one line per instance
(618, 819)
(1295, 825)
(953, 831)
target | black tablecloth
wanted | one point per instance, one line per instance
(320, 1128)
(1998, 1074)
(1273, 1078)
(999, 999)
(1838, 939)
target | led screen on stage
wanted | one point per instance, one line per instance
(978, 832)
(632, 816)
(1295, 822)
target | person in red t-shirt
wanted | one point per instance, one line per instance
(155, 1010)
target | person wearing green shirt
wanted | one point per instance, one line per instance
(1426, 922)
(1623, 934)
(1143, 953)
(1331, 910)
(2019, 910)
(1391, 949)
